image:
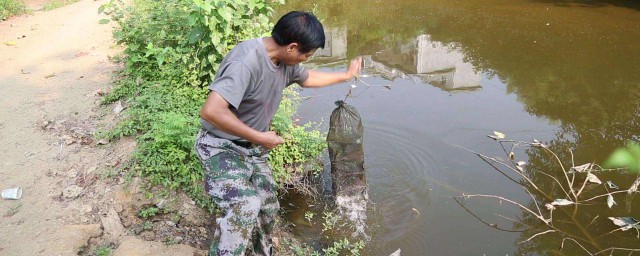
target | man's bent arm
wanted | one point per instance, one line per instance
(216, 111)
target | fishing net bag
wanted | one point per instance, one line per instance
(346, 151)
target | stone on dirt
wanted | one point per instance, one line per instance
(72, 191)
(72, 238)
(112, 224)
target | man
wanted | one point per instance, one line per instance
(234, 139)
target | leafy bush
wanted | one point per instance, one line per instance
(302, 143)
(10, 8)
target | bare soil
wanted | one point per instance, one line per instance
(55, 67)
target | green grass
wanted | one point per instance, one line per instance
(57, 4)
(103, 251)
(10, 8)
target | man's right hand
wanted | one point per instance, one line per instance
(270, 140)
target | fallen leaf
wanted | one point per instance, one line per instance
(499, 135)
(10, 43)
(580, 168)
(562, 202)
(611, 185)
(103, 142)
(50, 75)
(593, 178)
(625, 223)
(610, 201)
(512, 155)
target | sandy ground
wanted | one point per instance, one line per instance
(51, 66)
(58, 59)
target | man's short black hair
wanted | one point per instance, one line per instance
(299, 27)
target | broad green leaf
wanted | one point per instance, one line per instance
(104, 21)
(620, 158)
(134, 47)
(195, 35)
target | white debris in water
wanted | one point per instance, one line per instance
(355, 209)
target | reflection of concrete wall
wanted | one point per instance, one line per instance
(335, 45)
(433, 62)
(435, 57)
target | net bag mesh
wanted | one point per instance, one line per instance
(346, 151)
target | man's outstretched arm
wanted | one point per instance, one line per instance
(320, 79)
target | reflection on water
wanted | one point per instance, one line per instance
(432, 62)
(565, 72)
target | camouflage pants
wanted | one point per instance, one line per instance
(239, 181)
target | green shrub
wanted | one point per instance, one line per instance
(303, 143)
(10, 8)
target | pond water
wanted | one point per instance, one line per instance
(444, 75)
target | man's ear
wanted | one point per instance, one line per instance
(291, 47)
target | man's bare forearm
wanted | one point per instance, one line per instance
(216, 111)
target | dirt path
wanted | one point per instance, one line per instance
(49, 111)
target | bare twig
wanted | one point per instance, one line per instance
(534, 200)
(557, 181)
(592, 221)
(583, 184)
(564, 172)
(495, 226)
(507, 166)
(514, 220)
(513, 202)
(617, 248)
(607, 194)
(538, 234)
(568, 238)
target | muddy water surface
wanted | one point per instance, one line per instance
(443, 75)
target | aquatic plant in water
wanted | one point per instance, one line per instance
(567, 201)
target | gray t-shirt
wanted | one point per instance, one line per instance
(252, 85)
